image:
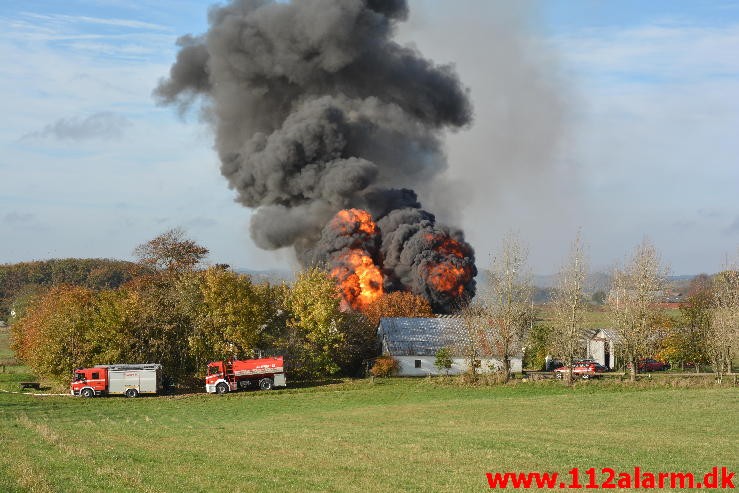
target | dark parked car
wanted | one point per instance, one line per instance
(650, 364)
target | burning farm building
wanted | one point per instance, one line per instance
(323, 124)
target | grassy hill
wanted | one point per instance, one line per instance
(393, 435)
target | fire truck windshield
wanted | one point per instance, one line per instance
(212, 370)
(79, 376)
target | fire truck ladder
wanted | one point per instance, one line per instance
(229, 374)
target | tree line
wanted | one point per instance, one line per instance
(503, 317)
(183, 316)
(169, 309)
(19, 282)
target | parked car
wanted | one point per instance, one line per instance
(650, 364)
(584, 369)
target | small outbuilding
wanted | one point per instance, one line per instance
(414, 342)
(600, 346)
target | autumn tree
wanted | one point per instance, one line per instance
(171, 251)
(108, 339)
(685, 341)
(159, 323)
(722, 337)
(634, 304)
(566, 337)
(314, 323)
(384, 367)
(230, 316)
(696, 309)
(397, 304)
(506, 304)
(52, 335)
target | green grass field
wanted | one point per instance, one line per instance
(393, 435)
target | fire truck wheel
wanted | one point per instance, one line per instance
(87, 393)
(221, 388)
(265, 384)
(132, 393)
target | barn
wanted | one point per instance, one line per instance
(413, 342)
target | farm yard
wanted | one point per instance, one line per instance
(387, 435)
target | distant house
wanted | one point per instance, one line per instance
(600, 346)
(413, 342)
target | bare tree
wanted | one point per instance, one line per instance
(566, 338)
(171, 251)
(634, 303)
(472, 336)
(722, 336)
(507, 303)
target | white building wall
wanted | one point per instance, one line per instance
(407, 366)
(597, 349)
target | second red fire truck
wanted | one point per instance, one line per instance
(230, 375)
(128, 380)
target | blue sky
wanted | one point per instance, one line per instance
(616, 117)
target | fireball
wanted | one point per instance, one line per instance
(350, 221)
(360, 280)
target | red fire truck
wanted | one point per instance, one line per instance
(128, 380)
(234, 374)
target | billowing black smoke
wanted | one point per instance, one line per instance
(317, 109)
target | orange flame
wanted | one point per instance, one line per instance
(347, 221)
(447, 246)
(450, 246)
(447, 278)
(360, 280)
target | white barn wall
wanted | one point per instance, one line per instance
(407, 366)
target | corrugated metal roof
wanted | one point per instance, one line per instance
(425, 336)
(420, 336)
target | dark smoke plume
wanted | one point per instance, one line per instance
(317, 109)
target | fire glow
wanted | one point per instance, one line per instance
(358, 275)
(358, 267)
(360, 280)
(447, 278)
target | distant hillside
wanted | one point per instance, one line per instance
(27, 278)
(596, 281)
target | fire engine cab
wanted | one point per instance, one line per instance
(230, 375)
